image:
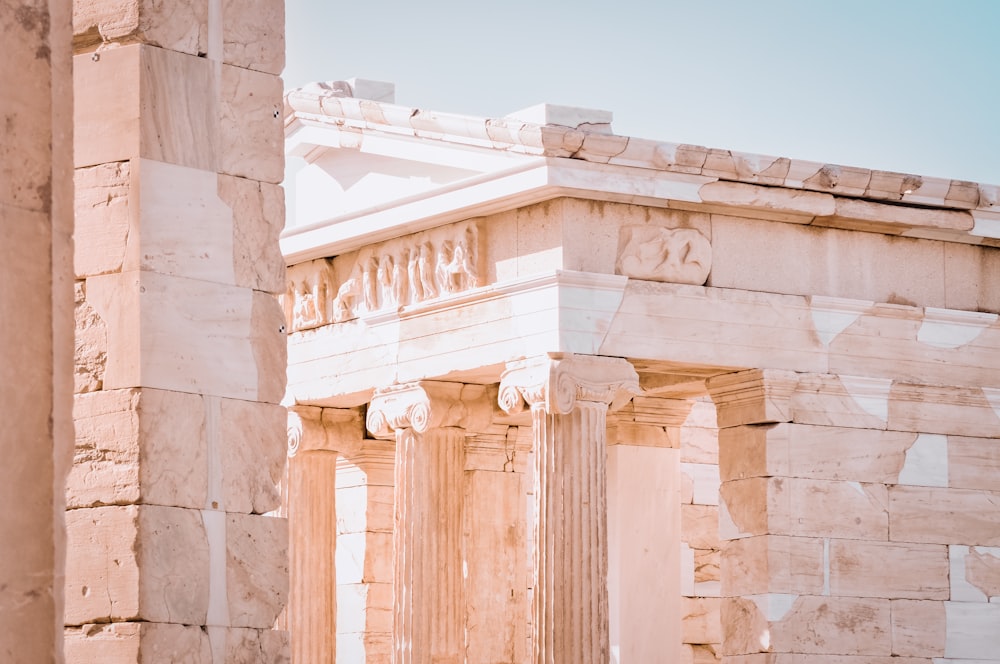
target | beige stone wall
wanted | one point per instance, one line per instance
(180, 356)
(36, 329)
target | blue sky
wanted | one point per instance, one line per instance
(910, 86)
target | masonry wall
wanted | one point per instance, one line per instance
(35, 324)
(180, 351)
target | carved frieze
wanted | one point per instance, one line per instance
(557, 381)
(654, 253)
(385, 276)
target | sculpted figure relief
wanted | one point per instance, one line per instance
(386, 276)
(652, 253)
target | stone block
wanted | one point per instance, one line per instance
(90, 343)
(704, 479)
(252, 440)
(137, 643)
(807, 625)
(144, 101)
(251, 646)
(700, 526)
(960, 411)
(256, 569)
(364, 607)
(971, 630)
(888, 569)
(253, 34)
(208, 338)
(180, 26)
(364, 557)
(975, 573)
(973, 463)
(258, 214)
(101, 218)
(773, 564)
(800, 507)
(943, 516)
(700, 620)
(138, 446)
(841, 401)
(918, 628)
(813, 452)
(700, 654)
(251, 126)
(144, 562)
(699, 444)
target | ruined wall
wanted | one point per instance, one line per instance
(180, 354)
(36, 328)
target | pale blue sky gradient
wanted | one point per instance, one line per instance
(909, 86)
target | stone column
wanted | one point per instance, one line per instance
(569, 397)
(36, 333)
(430, 421)
(180, 346)
(315, 436)
(858, 518)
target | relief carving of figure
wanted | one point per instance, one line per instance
(369, 283)
(413, 271)
(441, 268)
(310, 295)
(385, 270)
(347, 295)
(676, 255)
(427, 271)
(460, 273)
(399, 283)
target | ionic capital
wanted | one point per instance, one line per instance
(311, 428)
(557, 381)
(428, 405)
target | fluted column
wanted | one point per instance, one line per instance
(315, 435)
(429, 421)
(569, 397)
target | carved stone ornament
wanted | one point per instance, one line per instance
(385, 276)
(426, 405)
(653, 253)
(557, 381)
(331, 429)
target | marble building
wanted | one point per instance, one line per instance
(559, 395)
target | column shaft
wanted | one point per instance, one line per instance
(312, 522)
(429, 601)
(570, 618)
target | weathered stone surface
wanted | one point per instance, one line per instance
(888, 569)
(178, 26)
(256, 569)
(137, 643)
(813, 452)
(269, 346)
(918, 628)
(791, 506)
(101, 220)
(806, 624)
(250, 125)
(252, 451)
(137, 562)
(943, 516)
(258, 212)
(90, 343)
(143, 101)
(973, 463)
(700, 526)
(138, 446)
(700, 620)
(252, 34)
(773, 564)
(256, 646)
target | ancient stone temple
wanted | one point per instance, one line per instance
(563, 396)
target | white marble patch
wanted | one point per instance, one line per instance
(947, 328)
(973, 630)
(728, 530)
(926, 462)
(993, 398)
(774, 606)
(705, 479)
(871, 394)
(833, 315)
